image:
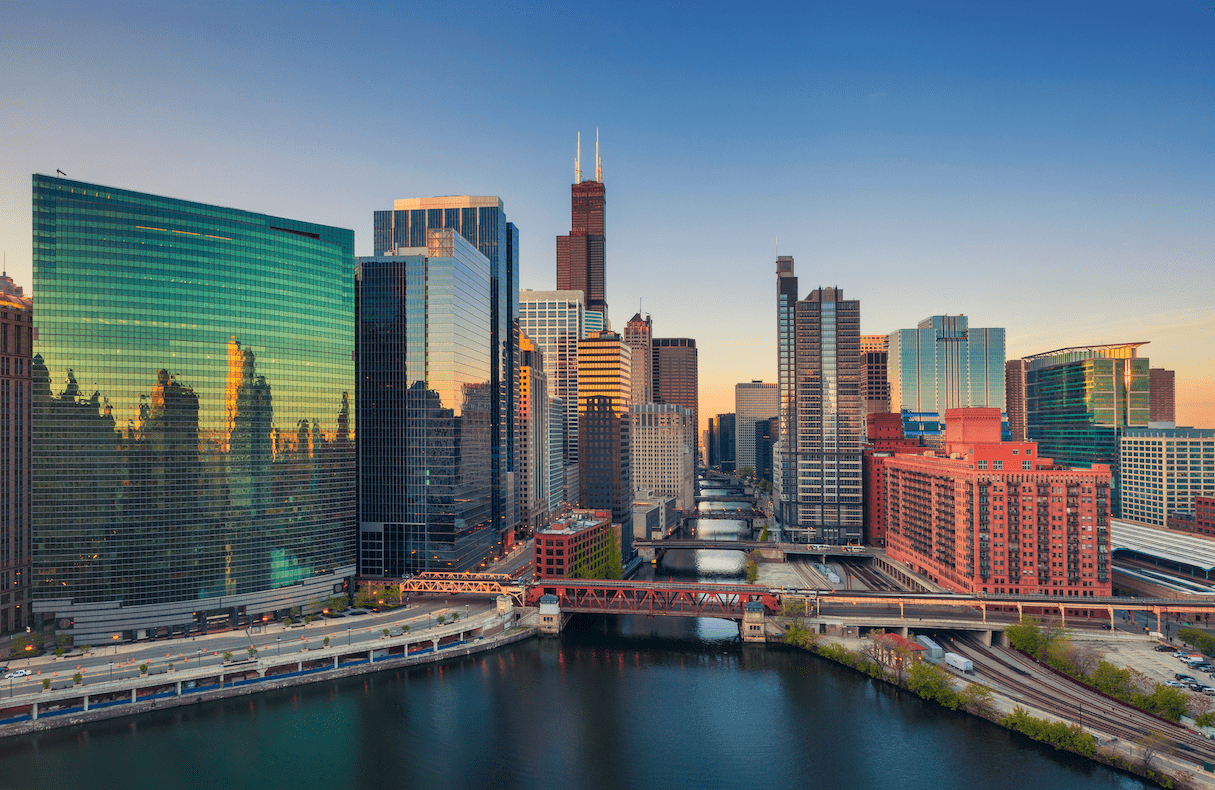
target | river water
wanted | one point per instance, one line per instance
(615, 702)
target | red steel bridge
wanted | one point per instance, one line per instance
(653, 598)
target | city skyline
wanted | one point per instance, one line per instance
(1075, 153)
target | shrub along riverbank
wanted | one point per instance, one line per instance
(888, 658)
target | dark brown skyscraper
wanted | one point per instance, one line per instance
(580, 255)
(1163, 384)
(1014, 397)
(673, 370)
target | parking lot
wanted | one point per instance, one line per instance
(1141, 655)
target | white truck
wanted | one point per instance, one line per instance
(959, 663)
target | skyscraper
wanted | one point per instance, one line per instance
(753, 401)
(675, 370)
(875, 388)
(828, 425)
(721, 442)
(532, 429)
(1163, 386)
(193, 457)
(1078, 400)
(16, 339)
(604, 453)
(1014, 397)
(784, 480)
(942, 364)
(482, 222)
(425, 361)
(639, 334)
(555, 321)
(581, 254)
(1163, 470)
(662, 442)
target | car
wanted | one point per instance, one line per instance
(18, 673)
(1175, 684)
(1180, 654)
(1205, 666)
(1163, 648)
(1180, 676)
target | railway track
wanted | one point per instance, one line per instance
(872, 579)
(1051, 693)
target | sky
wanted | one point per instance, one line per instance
(1043, 167)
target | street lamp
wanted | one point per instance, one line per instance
(111, 671)
(278, 645)
(347, 636)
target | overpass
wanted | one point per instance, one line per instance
(653, 549)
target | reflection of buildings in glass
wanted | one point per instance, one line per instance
(200, 494)
(428, 406)
(16, 368)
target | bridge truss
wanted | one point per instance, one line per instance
(464, 584)
(653, 598)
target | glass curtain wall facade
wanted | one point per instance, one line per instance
(16, 340)
(829, 419)
(482, 222)
(943, 364)
(193, 454)
(753, 401)
(1078, 400)
(425, 373)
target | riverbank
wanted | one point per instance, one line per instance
(525, 629)
(1000, 709)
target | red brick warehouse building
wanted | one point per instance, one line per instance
(575, 546)
(994, 517)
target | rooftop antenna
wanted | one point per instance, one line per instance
(598, 165)
(59, 172)
(578, 162)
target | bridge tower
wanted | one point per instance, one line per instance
(752, 626)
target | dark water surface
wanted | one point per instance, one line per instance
(616, 702)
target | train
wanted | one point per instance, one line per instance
(959, 663)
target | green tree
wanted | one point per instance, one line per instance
(442, 619)
(78, 678)
(227, 655)
(931, 682)
(1199, 639)
(1031, 637)
(746, 471)
(752, 568)
(978, 699)
(325, 641)
(614, 569)
(252, 652)
(143, 669)
(763, 533)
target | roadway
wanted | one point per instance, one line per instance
(359, 631)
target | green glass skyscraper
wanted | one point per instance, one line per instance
(192, 430)
(1078, 400)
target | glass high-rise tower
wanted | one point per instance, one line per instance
(482, 222)
(943, 363)
(193, 454)
(424, 366)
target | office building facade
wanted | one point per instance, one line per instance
(664, 452)
(532, 426)
(943, 363)
(582, 253)
(1078, 400)
(875, 388)
(577, 546)
(753, 401)
(639, 334)
(675, 373)
(556, 321)
(557, 493)
(604, 429)
(1014, 398)
(992, 516)
(425, 364)
(481, 220)
(829, 421)
(192, 459)
(885, 439)
(784, 466)
(1163, 469)
(16, 358)
(765, 435)
(1162, 385)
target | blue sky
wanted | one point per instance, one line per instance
(1042, 167)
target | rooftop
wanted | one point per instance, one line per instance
(1171, 546)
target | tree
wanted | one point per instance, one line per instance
(763, 533)
(615, 569)
(931, 682)
(325, 641)
(752, 567)
(78, 678)
(746, 471)
(227, 655)
(442, 619)
(1150, 746)
(143, 669)
(978, 699)
(1031, 637)
(252, 652)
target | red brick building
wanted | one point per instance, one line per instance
(575, 545)
(993, 517)
(885, 432)
(1204, 515)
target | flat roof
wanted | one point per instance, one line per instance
(1166, 544)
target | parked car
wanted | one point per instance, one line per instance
(1205, 666)
(18, 673)
(1175, 684)
(1163, 648)
(1180, 676)
(1180, 653)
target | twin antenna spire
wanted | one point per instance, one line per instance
(578, 160)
